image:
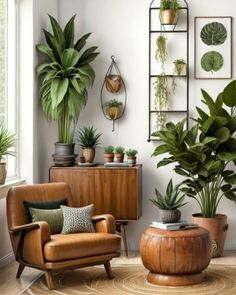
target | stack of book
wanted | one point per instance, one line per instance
(174, 226)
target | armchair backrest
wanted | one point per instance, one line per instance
(33, 193)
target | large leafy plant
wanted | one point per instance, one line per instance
(203, 153)
(65, 76)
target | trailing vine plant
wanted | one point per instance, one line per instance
(162, 92)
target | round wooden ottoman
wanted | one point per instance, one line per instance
(175, 258)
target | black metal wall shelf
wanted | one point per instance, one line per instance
(170, 31)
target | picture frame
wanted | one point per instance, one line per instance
(213, 47)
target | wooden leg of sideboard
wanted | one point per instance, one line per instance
(120, 225)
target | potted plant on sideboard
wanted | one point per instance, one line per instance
(131, 157)
(64, 78)
(202, 155)
(7, 141)
(119, 154)
(108, 153)
(169, 203)
(88, 138)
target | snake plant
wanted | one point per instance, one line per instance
(170, 200)
(65, 76)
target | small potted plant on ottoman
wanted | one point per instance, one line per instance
(169, 203)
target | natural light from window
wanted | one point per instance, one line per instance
(8, 71)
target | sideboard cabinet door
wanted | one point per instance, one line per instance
(117, 191)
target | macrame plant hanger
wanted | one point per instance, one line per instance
(113, 107)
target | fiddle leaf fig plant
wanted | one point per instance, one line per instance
(203, 153)
(65, 76)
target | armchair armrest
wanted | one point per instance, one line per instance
(29, 240)
(104, 223)
(24, 227)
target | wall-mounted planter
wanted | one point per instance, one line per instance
(113, 83)
(113, 107)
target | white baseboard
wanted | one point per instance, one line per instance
(7, 259)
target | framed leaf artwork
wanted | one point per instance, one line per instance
(213, 47)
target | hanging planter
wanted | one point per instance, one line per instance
(113, 108)
(113, 83)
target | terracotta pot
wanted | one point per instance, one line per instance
(169, 216)
(3, 173)
(88, 154)
(108, 157)
(168, 17)
(113, 112)
(131, 161)
(217, 227)
(113, 83)
(119, 157)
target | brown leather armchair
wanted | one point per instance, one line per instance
(34, 246)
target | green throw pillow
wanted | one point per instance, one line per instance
(53, 217)
(55, 204)
(77, 219)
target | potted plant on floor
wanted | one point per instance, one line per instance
(168, 11)
(108, 153)
(7, 141)
(169, 203)
(202, 155)
(64, 78)
(88, 138)
(131, 157)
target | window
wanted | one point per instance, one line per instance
(8, 72)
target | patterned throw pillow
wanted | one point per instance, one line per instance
(53, 217)
(55, 204)
(77, 219)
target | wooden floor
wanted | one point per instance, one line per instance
(9, 285)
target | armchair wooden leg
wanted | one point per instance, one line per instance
(20, 270)
(49, 279)
(108, 270)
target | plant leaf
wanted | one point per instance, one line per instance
(69, 32)
(81, 42)
(229, 94)
(69, 58)
(58, 90)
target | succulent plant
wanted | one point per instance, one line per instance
(171, 199)
(109, 149)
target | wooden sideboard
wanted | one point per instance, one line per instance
(113, 190)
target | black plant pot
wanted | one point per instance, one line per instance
(64, 149)
(64, 154)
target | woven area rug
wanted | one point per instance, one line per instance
(131, 280)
